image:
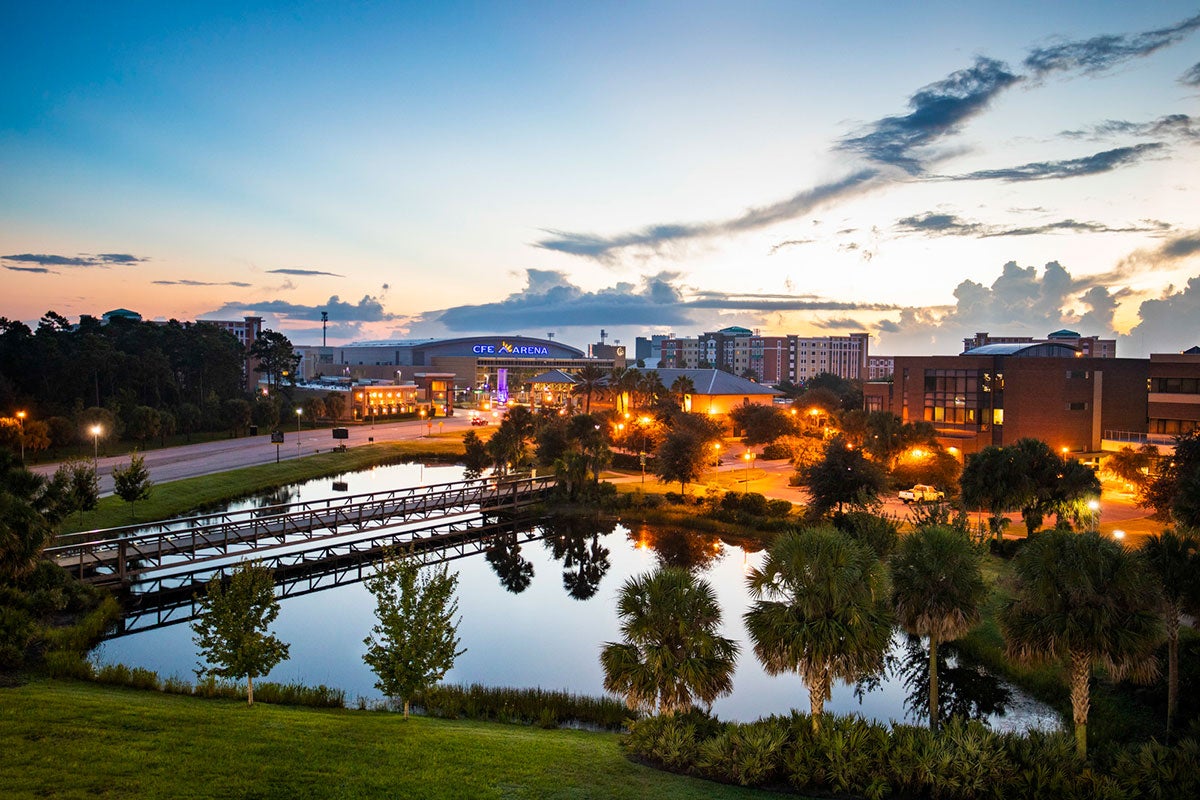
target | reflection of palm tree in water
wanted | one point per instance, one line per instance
(678, 548)
(515, 573)
(964, 691)
(576, 542)
(274, 497)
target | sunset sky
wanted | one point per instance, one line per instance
(921, 171)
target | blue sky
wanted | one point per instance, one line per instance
(920, 171)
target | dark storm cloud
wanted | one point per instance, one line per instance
(1179, 126)
(941, 224)
(38, 270)
(304, 273)
(236, 284)
(1191, 77)
(656, 237)
(1099, 53)
(1069, 168)
(367, 309)
(938, 110)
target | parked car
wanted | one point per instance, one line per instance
(479, 420)
(922, 493)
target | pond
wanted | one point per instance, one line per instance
(536, 612)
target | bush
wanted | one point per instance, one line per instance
(522, 706)
(297, 694)
(775, 451)
(749, 755)
(877, 532)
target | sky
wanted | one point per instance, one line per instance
(920, 171)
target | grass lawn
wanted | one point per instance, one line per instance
(177, 497)
(66, 739)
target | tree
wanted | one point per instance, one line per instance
(680, 388)
(235, 414)
(190, 418)
(265, 413)
(1133, 466)
(821, 609)
(671, 654)
(682, 456)
(132, 482)
(143, 423)
(475, 458)
(842, 476)
(937, 591)
(591, 380)
(762, 424)
(335, 404)
(276, 358)
(29, 508)
(413, 643)
(232, 632)
(1082, 599)
(81, 485)
(1174, 560)
(1040, 468)
(992, 480)
(1175, 492)
(314, 409)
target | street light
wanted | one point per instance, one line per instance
(96, 445)
(716, 454)
(299, 411)
(21, 426)
(1094, 507)
(749, 466)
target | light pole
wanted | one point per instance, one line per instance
(1094, 507)
(716, 454)
(421, 413)
(21, 430)
(96, 445)
(643, 422)
(749, 466)
(299, 411)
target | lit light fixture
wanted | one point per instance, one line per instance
(1118, 534)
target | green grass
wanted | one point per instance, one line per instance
(178, 497)
(66, 740)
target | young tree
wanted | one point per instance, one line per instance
(414, 641)
(937, 591)
(1082, 599)
(821, 609)
(232, 633)
(81, 485)
(1174, 559)
(671, 654)
(682, 456)
(132, 482)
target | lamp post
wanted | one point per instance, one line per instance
(421, 414)
(1094, 507)
(716, 454)
(95, 445)
(21, 432)
(749, 466)
(299, 411)
(643, 422)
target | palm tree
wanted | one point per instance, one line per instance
(591, 381)
(671, 654)
(680, 387)
(938, 588)
(1085, 600)
(821, 610)
(1174, 560)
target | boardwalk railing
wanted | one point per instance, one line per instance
(127, 554)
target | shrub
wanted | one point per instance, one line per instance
(779, 508)
(297, 694)
(523, 706)
(750, 754)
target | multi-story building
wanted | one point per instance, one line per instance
(770, 359)
(998, 393)
(880, 368)
(1174, 403)
(1091, 346)
(649, 349)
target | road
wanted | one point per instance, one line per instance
(205, 458)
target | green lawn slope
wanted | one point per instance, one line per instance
(63, 739)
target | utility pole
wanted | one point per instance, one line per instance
(324, 320)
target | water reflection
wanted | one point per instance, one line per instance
(513, 570)
(547, 632)
(575, 541)
(964, 691)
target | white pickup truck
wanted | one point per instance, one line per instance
(922, 493)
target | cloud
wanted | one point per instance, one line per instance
(39, 270)
(549, 298)
(102, 260)
(1175, 249)
(789, 243)
(303, 272)
(237, 284)
(942, 224)
(655, 237)
(1019, 302)
(841, 324)
(1161, 327)
(938, 110)
(1100, 53)
(368, 309)
(1192, 76)
(1105, 161)
(1179, 126)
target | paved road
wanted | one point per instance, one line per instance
(189, 461)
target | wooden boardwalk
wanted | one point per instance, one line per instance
(136, 553)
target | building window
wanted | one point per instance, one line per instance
(1077, 406)
(997, 416)
(1078, 374)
